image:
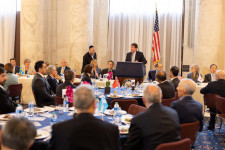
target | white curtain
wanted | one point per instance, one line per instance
(7, 29)
(133, 21)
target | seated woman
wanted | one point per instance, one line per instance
(194, 75)
(96, 70)
(27, 69)
(87, 74)
(11, 77)
(53, 78)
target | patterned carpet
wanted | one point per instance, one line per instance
(207, 141)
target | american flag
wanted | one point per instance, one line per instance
(155, 41)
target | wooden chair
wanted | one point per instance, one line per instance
(14, 91)
(124, 104)
(167, 102)
(220, 107)
(184, 144)
(136, 109)
(189, 130)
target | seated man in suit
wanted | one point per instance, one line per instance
(84, 131)
(158, 124)
(215, 87)
(1, 65)
(188, 109)
(6, 104)
(168, 90)
(53, 78)
(109, 69)
(152, 73)
(88, 57)
(42, 90)
(69, 79)
(174, 71)
(212, 75)
(63, 68)
(18, 134)
(16, 69)
(134, 55)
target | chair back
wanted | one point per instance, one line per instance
(184, 144)
(167, 102)
(14, 90)
(124, 104)
(210, 100)
(220, 104)
(189, 130)
(78, 76)
(136, 109)
(35, 98)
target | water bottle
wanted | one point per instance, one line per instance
(65, 104)
(100, 76)
(31, 108)
(19, 111)
(118, 116)
(116, 106)
(53, 118)
(75, 72)
(97, 106)
(61, 75)
(81, 76)
(96, 89)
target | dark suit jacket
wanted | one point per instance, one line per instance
(63, 86)
(215, 87)
(53, 83)
(87, 60)
(168, 90)
(208, 78)
(42, 90)
(175, 82)
(139, 57)
(158, 124)
(17, 69)
(190, 76)
(86, 78)
(59, 70)
(151, 75)
(106, 70)
(188, 110)
(84, 132)
(1, 65)
(6, 104)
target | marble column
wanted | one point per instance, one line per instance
(208, 34)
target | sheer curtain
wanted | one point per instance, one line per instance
(7, 29)
(133, 21)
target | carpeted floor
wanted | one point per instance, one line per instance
(207, 141)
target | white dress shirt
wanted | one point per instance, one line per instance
(213, 77)
(133, 57)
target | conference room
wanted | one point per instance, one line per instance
(112, 74)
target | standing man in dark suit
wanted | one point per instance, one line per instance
(42, 91)
(63, 68)
(158, 124)
(69, 79)
(134, 55)
(212, 75)
(6, 104)
(16, 69)
(88, 57)
(215, 87)
(168, 90)
(174, 71)
(152, 73)
(53, 78)
(84, 132)
(109, 69)
(188, 109)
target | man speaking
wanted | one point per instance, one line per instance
(134, 55)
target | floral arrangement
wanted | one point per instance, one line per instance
(110, 74)
(69, 94)
(85, 82)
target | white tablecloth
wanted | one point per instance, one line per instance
(27, 94)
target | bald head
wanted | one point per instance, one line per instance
(160, 76)
(186, 87)
(220, 74)
(64, 63)
(152, 94)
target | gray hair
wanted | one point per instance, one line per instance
(18, 133)
(84, 97)
(152, 93)
(50, 68)
(189, 85)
